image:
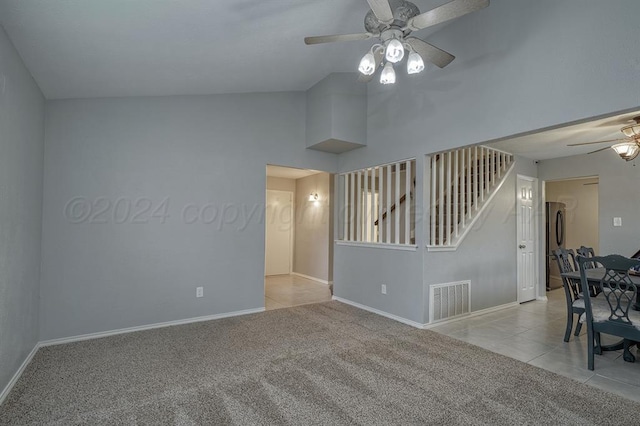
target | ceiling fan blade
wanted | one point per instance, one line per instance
(430, 53)
(592, 143)
(337, 37)
(382, 10)
(598, 150)
(453, 9)
(377, 55)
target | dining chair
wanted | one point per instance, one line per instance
(586, 252)
(575, 304)
(611, 312)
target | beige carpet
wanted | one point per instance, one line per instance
(327, 363)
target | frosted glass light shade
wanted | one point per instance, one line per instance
(631, 131)
(388, 75)
(627, 150)
(395, 51)
(367, 64)
(415, 64)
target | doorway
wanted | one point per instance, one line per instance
(298, 237)
(527, 235)
(577, 199)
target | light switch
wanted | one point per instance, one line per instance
(617, 221)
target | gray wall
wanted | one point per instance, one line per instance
(21, 156)
(336, 109)
(487, 256)
(313, 229)
(359, 272)
(521, 66)
(618, 195)
(198, 153)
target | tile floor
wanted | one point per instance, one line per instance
(283, 291)
(533, 333)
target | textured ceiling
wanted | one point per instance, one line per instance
(106, 48)
(553, 143)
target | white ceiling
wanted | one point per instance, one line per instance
(553, 143)
(106, 48)
(289, 172)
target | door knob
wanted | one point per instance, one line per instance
(522, 246)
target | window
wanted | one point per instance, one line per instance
(378, 204)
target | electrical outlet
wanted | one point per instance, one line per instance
(199, 291)
(384, 289)
(617, 221)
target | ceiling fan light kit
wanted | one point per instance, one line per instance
(388, 75)
(629, 148)
(394, 51)
(415, 64)
(367, 64)
(392, 21)
(632, 131)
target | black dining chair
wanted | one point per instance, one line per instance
(575, 304)
(586, 252)
(611, 312)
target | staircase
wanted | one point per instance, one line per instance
(463, 181)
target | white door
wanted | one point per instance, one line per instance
(279, 231)
(527, 232)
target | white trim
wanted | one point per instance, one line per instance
(309, 277)
(14, 379)
(100, 334)
(441, 248)
(379, 312)
(472, 314)
(485, 203)
(542, 298)
(389, 246)
(404, 160)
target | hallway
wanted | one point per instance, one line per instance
(283, 291)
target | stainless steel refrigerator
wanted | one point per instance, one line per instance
(555, 225)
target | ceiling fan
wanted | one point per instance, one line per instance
(392, 21)
(629, 147)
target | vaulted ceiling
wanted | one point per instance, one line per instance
(106, 48)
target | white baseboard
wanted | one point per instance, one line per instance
(16, 376)
(472, 314)
(71, 339)
(147, 327)
(379, 312)
(309, 277)
(542, 298)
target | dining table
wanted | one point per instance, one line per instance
(594, 276)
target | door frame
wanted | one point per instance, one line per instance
(292, 238)
(536, 217)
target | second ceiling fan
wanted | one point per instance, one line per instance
(628, 148)
(392, 21)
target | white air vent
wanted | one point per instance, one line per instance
(449, 300)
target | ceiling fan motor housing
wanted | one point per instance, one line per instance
(402, 11)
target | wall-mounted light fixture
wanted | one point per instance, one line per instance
(313, 196)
